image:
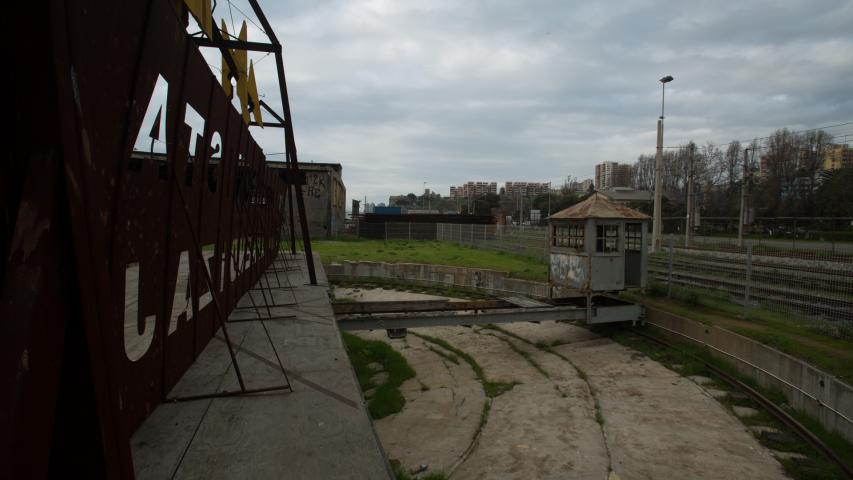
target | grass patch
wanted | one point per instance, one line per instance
(599, 418)
(387, 399)
(689, 359)
(484, 415)
(490, 388)
(799, 338)
(432, 252)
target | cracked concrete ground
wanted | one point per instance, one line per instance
(656, 424)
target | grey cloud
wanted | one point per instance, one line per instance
(445, 92)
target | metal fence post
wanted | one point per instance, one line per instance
(747, 286)
(386, 231)
(669, 269)
(410, 230)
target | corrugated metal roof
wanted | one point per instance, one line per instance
(599, 206)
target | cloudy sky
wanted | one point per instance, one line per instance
(445, 92)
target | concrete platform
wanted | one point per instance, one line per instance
(319, 430)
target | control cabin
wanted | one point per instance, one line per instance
(598, 245)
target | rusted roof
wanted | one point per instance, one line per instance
(599, 206)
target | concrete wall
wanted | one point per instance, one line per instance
(324, 194)
(819, 394)
(484, 279)
(822, 396)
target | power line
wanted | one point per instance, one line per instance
(231, 14)
(770, 136)
(247, 17)
(760, 147)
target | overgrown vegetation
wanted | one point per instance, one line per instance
(386, 398)
(798, 338)
(688, 359)
(491, 388)
(432, 252)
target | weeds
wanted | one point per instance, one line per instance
(441, 353)
(387, 398)
(490, 388)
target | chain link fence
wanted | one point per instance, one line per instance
(809, 282)
(530, 241)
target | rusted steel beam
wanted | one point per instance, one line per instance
(446, 319)
(290, 142)
(416, 306)
(236, 44)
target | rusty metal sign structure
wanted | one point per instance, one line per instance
(119, 267)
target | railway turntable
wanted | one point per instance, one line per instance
(596, 249)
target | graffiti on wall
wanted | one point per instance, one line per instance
(315, 186)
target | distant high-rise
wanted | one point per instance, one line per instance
(838, 156)
(473, 189)
(612, 174)
(526, 189)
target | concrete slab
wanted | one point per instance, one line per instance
(760, 429)
(660, 427)
(438, 423)
(700, 379)
(716, 393)
(744, 411)
(789, 455)
(319, 430)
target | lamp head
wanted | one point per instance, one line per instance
(666, 79)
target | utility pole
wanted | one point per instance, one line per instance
(743, 194)
(688, 231)
(657, 220)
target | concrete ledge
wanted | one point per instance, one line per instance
(822, 396)
(492, 281)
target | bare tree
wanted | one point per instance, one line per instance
(643, 173)
(732, 164)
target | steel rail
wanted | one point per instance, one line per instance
(836, 308)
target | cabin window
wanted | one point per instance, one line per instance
(569, 236)
(607, 238)
(633, 236)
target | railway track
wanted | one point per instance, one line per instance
(765, 251)
(830, 286)
(833, 309)
(777, 412)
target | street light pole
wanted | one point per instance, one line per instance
(656, 221)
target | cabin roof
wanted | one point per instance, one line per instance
(599, 206)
